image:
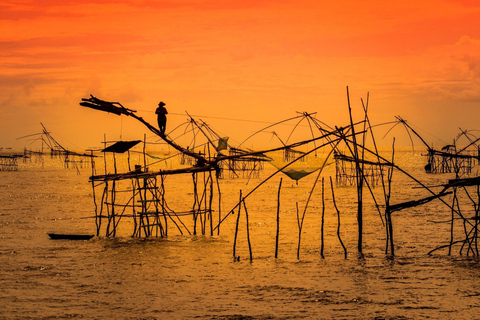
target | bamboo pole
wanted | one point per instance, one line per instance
(322, 245)
(338, 219)
(477, 220)
(102, 202)
(114, 199)
(210, 204)
(152, 188)
(236, 229)
(93, 192)
(201, 213)
(204, 196)
(359, 177)
(145, 221)
(248, 231)
(278, 218)
(452, 220)
(106, 184)
(107, 207)
(195, 199)
(219, 201)
(163, 204)
(144, 153)
(388, 214)
(134, 211)
(300, 225)
(210, 179)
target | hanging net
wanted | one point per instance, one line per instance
(305, 165)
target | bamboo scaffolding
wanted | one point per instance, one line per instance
(345, 170)
(147, 201)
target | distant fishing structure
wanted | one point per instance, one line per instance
(450, 159)
(140, 193)
(71, 159)
(9, 162)
(345, 170)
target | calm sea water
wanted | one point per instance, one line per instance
(185, 276)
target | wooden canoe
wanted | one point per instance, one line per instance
(57, 236)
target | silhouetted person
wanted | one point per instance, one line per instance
(161, 117)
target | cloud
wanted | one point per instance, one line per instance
(102, 42)
(32, 11)
(459, 69)
(468, 50)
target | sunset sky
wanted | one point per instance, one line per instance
(238, 65)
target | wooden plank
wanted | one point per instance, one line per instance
(464, 182)
(414, 203)
(145, 175)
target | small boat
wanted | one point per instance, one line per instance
(58, 236)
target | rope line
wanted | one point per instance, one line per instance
(211, 117)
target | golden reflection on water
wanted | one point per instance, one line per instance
(195, 276)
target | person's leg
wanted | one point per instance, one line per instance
(161, 126)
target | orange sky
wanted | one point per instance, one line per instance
(251, 60)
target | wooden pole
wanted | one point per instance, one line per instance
(102, 202)
(299, 224)
(322, 246)
(144, 153)
(105, 154)
(145, 218)
(113, 199)
(359, 178)
(278, 218)
(236, 229)
(452, 220)
(210, 200)
(204, 196)
(128, 161)
(195, 199)
(338, 219)
(134, 211)
(164, 206)
(219, 203)
(388, 213)
(248, 231)
(476, 220)
(210, 215)
(93, 192)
